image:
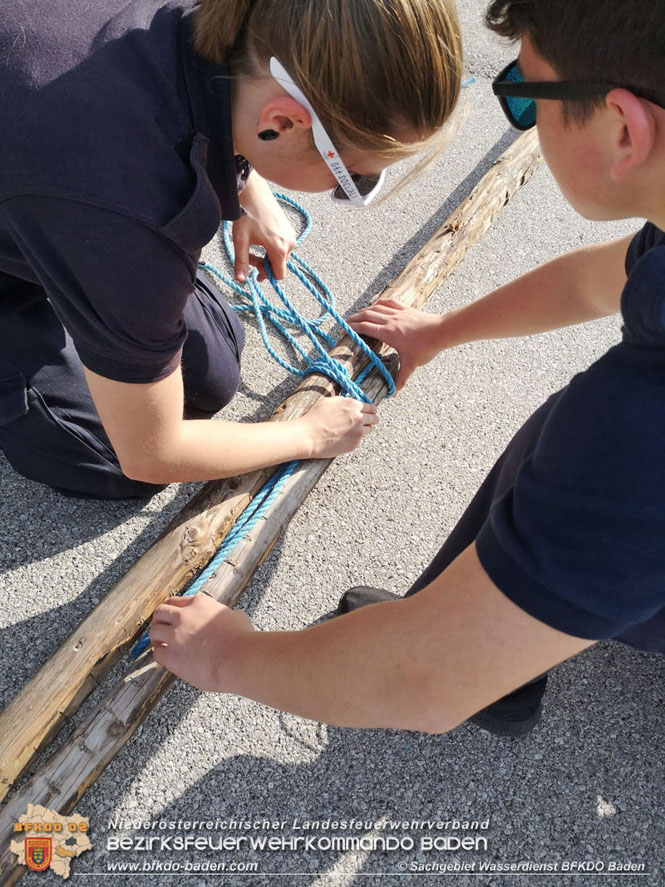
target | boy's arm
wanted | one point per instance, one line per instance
(426, 662)
(581, 285)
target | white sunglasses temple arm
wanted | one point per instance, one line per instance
(329, 153)
(322, 140)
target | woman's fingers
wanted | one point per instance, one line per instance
(241, 253)
(372, 317)
(369, 314)
(168, 612)
(369, 421)
(383, 308)
(278, 258)
(258, 263)
(369, 417)
(390, 303)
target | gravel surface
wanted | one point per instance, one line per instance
(586, 786)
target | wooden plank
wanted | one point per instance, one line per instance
(193, 536)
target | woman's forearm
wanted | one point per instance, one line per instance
(202, 449)
(425, 662)
(155, 444)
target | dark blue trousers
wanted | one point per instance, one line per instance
(49, 429)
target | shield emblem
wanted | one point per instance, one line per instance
(38, 853)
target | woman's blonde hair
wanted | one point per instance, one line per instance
(374, 70)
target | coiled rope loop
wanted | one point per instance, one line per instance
(288, 315)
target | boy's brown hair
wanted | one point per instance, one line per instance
(602, 41)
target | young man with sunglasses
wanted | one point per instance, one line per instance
(564, 543)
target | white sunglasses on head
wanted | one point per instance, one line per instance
(358, 189)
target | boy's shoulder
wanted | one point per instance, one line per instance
(643, 297)
(648, 237)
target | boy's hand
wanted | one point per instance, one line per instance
(264, 225)
(415, 335)
(194, 636)
(336, 425)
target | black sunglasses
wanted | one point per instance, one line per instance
(517, 95)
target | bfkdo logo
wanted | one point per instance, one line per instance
(44, 839)
(38, 852)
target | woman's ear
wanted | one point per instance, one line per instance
(635, 131)
(282, 114)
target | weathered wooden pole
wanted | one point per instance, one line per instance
(189, 542)
(61, 782)
(186, 545)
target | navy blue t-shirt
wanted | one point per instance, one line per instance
(116, 167)
(578, 539)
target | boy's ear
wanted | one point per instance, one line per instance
(635, 131)
(283, 113)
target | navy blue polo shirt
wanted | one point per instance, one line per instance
(116, 167)
(578, 538)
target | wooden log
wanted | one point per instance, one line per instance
(187, 544)
(466, 225)
(191, 539)
(62, 781)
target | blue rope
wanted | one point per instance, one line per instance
(281, 318)
(263, 309)
(250, 517)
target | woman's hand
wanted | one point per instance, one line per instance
(264, 225)
(415, 335)
(336, 425)
(195, 638)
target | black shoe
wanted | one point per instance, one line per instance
(515, 714)
(361, 596)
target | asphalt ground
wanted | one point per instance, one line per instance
(585, 787)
